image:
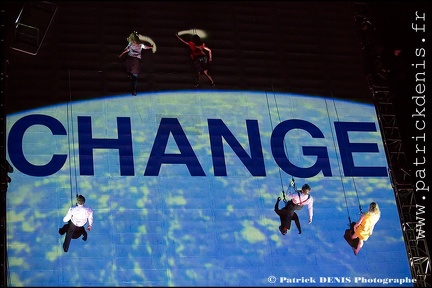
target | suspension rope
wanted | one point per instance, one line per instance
(271, 124)
(70, 126)
(292, 178)
(337, 157)
(339, 165)
(354, 183)
(284, 142)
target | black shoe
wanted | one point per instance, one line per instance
(61, 232)
(65, 249)
(134, 93)
(84, 238)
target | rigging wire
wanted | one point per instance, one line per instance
(330, 82)
(271, 125)
(70, 126)
(337, 157)
(354, 183)
(338, 161)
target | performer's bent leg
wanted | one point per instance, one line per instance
(297, 222)
(209, 77)
(290, 213)
(134, 84)
(197, 79)
(84, 234)
(68, 237)
(359, 246)
(282, 216)
(64, 229)
(288, 219)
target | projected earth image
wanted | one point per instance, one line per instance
(183, 187)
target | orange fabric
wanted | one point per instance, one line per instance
(365, 229)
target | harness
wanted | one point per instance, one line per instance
(301, 202)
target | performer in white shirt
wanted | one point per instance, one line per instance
(298, 198)
(77, 216)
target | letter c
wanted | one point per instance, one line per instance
(15, 145)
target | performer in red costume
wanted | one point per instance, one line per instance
(199, 57)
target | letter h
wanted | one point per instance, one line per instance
(87, 143)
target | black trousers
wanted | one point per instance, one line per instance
(70, 232)
(80, 231)
(287, 214)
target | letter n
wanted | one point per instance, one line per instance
(254, 163)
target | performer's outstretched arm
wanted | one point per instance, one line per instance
(181, 39)
(125, 51)
(210, 53)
